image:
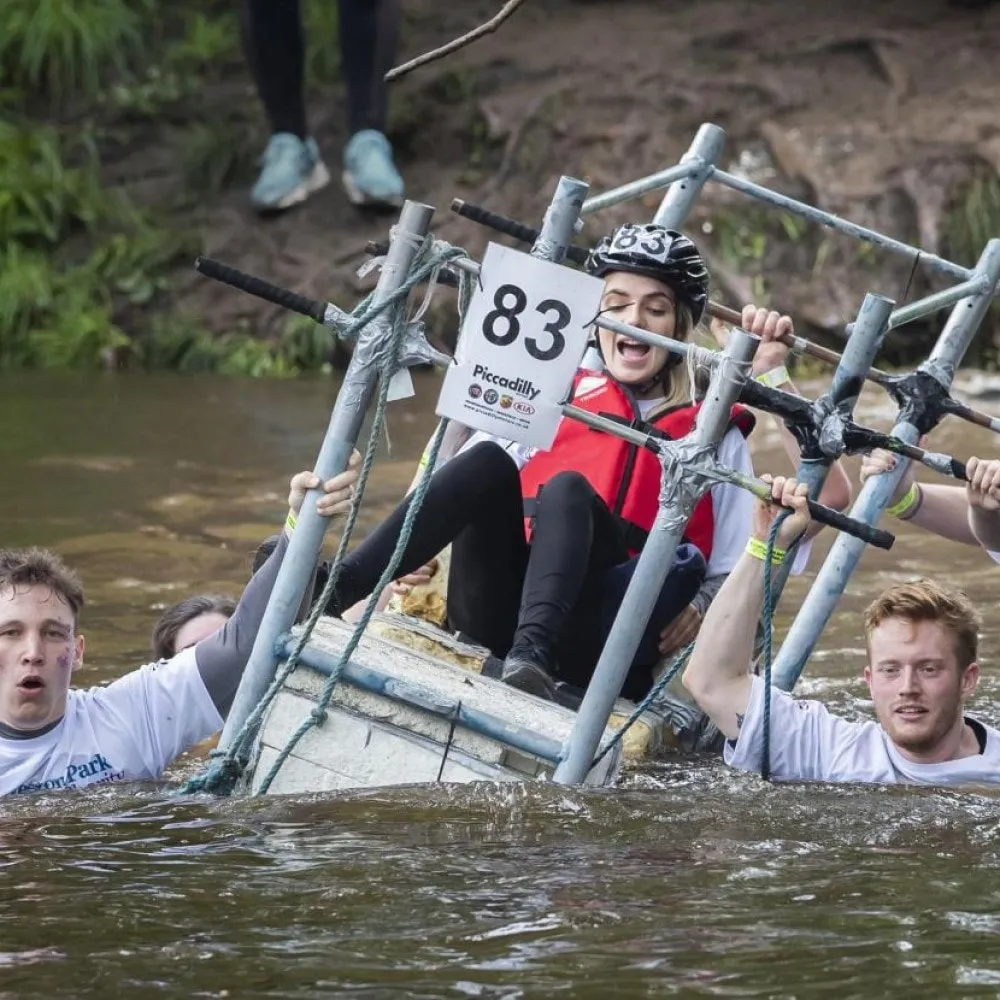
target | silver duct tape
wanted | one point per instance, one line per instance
(681, 486)
(548, 250)
(417, 350)
(938, 461)
(941, 371)
(335, 318)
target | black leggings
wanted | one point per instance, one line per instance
(559, 595)
(275, 50)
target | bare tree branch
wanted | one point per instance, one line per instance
(484, 29)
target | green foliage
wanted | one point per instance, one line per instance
(51, 318)
(972, 220)
(321, 29)
(41, 198)
(209, 42)
(214, 156)
(180, 344)
(67, 48)
(77, 261)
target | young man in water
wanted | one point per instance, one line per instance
(52, 737)
(921, 641)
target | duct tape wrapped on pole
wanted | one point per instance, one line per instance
(874, 496)
(679, 493)
(341, 435)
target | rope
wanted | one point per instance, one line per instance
(669, 674)
(227, 767)
(765, 755)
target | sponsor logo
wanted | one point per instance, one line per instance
(490, 396)
(475, 390)
(505, 402)
(522, 407)
(517, 386)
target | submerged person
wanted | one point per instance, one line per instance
(53, 737)
(544, 542)
(967, 514)
(921, 641)
(293, 168)
(189, 621)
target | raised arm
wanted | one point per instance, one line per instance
(983, 494)
(964, 514)
(717, 675)
(223, 656)
(769, 367)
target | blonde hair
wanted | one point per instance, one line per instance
(677, 381)
(926, 601)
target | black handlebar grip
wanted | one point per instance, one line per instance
(878, 537)
(261, 288)
(511, 227)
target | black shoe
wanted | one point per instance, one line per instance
(529, 673)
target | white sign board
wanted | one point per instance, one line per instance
(524, 334)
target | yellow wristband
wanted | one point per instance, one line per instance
(290, 522)
(773, 378)
(904, 503)
(758, 550)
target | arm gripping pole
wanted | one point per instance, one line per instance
(874, 496)
(341, 435)
(650, 572)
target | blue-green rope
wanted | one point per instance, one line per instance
(765, 755)
(227, 767)
(668, 675)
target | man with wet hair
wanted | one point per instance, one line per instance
(921, 640)
(52, 737)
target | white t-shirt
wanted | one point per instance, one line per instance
(808, 743)
(131, 729)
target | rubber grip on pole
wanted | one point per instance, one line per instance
(262, 289)
(878, 537)
(510, 227)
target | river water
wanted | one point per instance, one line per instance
(688, 880)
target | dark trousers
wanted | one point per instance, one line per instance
(275, 49)
(558, 595)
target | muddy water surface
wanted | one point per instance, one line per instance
(689, 880)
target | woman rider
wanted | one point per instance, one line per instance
(543, 543)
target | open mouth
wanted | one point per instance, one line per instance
(631, 350)
(31, 683)
(911, 712)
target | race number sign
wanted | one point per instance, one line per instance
(523, 336)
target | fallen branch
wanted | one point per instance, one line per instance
(484, 29)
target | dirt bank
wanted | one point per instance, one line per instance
(881, 112)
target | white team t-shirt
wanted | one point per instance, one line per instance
(131, 729)
(808, 743)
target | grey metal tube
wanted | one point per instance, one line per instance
(560, 219)
(874, 496)
(870, 328)
(836, 222)
(341, 435)
(650, 572)
(930, 303)
(637, 188)
(702, 154)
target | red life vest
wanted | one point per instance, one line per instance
(625, 476)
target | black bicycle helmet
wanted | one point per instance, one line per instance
(659, 253)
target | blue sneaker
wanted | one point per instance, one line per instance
(370, 177)
(292, 170)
